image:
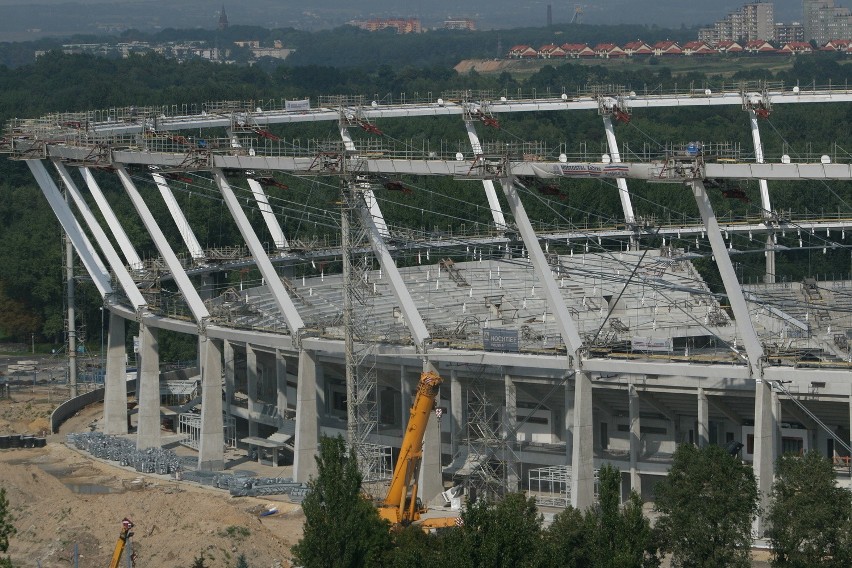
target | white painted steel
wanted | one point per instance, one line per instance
(190, 294)
(186, 232)
(124, 279)
(96, 269)
(273, 281)
(490, 192)
(111, 220)
(275, 231)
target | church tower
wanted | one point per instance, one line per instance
(223, 19)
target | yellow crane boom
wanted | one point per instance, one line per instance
(126, 525)
(400, 506)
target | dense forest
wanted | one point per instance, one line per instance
(31, 251)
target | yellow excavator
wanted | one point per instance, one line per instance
(401, 507)
(121, 543)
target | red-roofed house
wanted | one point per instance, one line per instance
(551, 51)
(760, 47)
(609, 51)
(698, 48)
(638, 48)
(728, 46)
(843, 45)
(577, 50)
(796, 48)
(523, 52)
(667, 48)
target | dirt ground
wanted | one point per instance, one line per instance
(61, 498)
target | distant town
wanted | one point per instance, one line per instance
(750, 30)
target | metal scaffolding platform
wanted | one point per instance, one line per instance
(189, 425)
(551, 486)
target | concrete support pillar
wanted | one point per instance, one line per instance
(211, 448)
(308, 399)
(582, 458)
(569, 421)
(431, 479)
(703, 434)
(456, 412)
(850, 416)
(281, 385)
(148, 390)
(635, 438)
(511, 424)
(251, 388)
(230, 375)
(777, 419)
(764, 446)
(115, 395)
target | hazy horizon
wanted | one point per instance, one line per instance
(22, 20)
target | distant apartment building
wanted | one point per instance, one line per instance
(460, 24)
(753, 21)
(402, 25)
(789, 33)
(824, 21)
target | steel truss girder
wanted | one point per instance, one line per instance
(490, 192)
(279, 293)
(615, 155)
(413, 319)
(190, 294)
(118, 268)
(369, 196)
(734, 291)
(555, 302)
(663, 171)
(186, 232)
(452, 108)
(275, 231)
(96, 269)
(111, 220)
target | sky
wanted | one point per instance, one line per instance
(28, 19)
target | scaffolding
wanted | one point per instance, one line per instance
(360, 342)
(178, 392)
(379, 460)
(189, 425)
(485, 469)
(551, 486)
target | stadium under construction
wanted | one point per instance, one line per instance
(561, 346)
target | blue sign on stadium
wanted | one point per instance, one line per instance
(500, 339)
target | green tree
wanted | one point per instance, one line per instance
(504, 534)
(241, 561)
(609, 535)
(707, 504)
(623, 535)
(565, 541)
(7, 529)
(809, 515)
(412, 548)
(342, 528)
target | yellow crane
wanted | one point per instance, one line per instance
(401, 507)
(121, 543)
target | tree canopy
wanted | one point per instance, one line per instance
(342, 528)
(707, 504)
(809, 515)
